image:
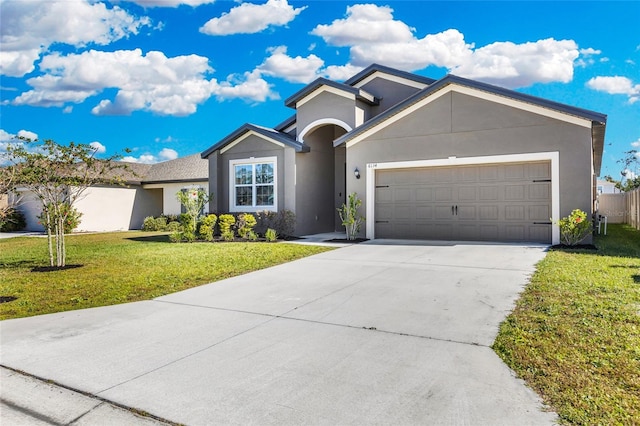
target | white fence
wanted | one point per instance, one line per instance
(621, 208)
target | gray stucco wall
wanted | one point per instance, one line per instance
(252, 146)
(465, 126)
(326, 105)
(389, 92)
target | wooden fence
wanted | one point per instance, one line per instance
(621, 208)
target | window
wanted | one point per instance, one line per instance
(252, 184)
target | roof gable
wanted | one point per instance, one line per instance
(377, 70)
(497, 94)
(321, 85)
(246, 130)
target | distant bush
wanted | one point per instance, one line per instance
(225, 223)
(283, 222)
(70, 223)
(12, 220)
(173, 226)
(270, 235)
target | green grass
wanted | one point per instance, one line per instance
(574, 336)
(123, 267)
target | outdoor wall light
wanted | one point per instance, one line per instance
(356, 173)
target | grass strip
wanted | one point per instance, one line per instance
(111, 268)
(574, 335)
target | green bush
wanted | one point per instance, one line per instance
(283, 222)
(175, 236)
(245, 224)
(173, 226)
(226, 222)
(188, 227)
(70, 223)
(271, 235)
(207, 224)
(574, 228)
(12, 220)
(227, 235)
(161, 223)
(149, 224)
(252, 236)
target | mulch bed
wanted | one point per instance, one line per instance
(576, 247)
(54, 268)
(344, 240)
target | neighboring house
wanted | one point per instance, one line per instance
(448, 159)
(150, 190)
(606, 187)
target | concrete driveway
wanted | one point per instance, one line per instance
(384, 332)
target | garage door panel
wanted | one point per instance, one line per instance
(488, 193)
(444, 194)
(492, 202)
(467, 193)
(539, 191)
(514, 212)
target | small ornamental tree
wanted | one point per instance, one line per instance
(349, 216)
(57, 175)
(193, 200)
(574, 228)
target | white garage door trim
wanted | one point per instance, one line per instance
(553, 157)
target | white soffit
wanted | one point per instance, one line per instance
(245, 136)
(514, 103)
(390, 77)
(322, 89)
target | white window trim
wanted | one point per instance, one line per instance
(232, 193)
(553, 157)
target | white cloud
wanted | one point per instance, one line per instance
(341, 72)
(248, 86)
(164, 155)
(616, 85)
(249, 18)
(29, 28)
(27, 135)
(152, 82)
(168, 154)
(364, 24)
(521, 65)
(170, 3)
(295, 70)
(98, 147)
(373, 35)
(636, 144)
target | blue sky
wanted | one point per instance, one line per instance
(169, 78)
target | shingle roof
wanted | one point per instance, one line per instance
(190, 168)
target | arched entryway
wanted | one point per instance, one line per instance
(317, 210)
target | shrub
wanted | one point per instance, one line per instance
(149, 224)
(161, 223)
(574, 228)
(225, 222)
(175, 236)
(205, 230)
(70, 223)
(173, 226)
(245, 224)
(271, 235)
(227, 235)
(349, 216)
(283, 222)
(11, 220)
(252, 236)
(188, 227)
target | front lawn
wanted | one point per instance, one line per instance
(575, 333)
(123, 267)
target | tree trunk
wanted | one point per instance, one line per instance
(49, 237)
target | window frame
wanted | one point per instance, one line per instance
(252, 161)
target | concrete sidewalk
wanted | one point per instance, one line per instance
(384, 332)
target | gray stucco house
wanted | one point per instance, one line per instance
(448, 159)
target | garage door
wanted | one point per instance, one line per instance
(492, 202)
